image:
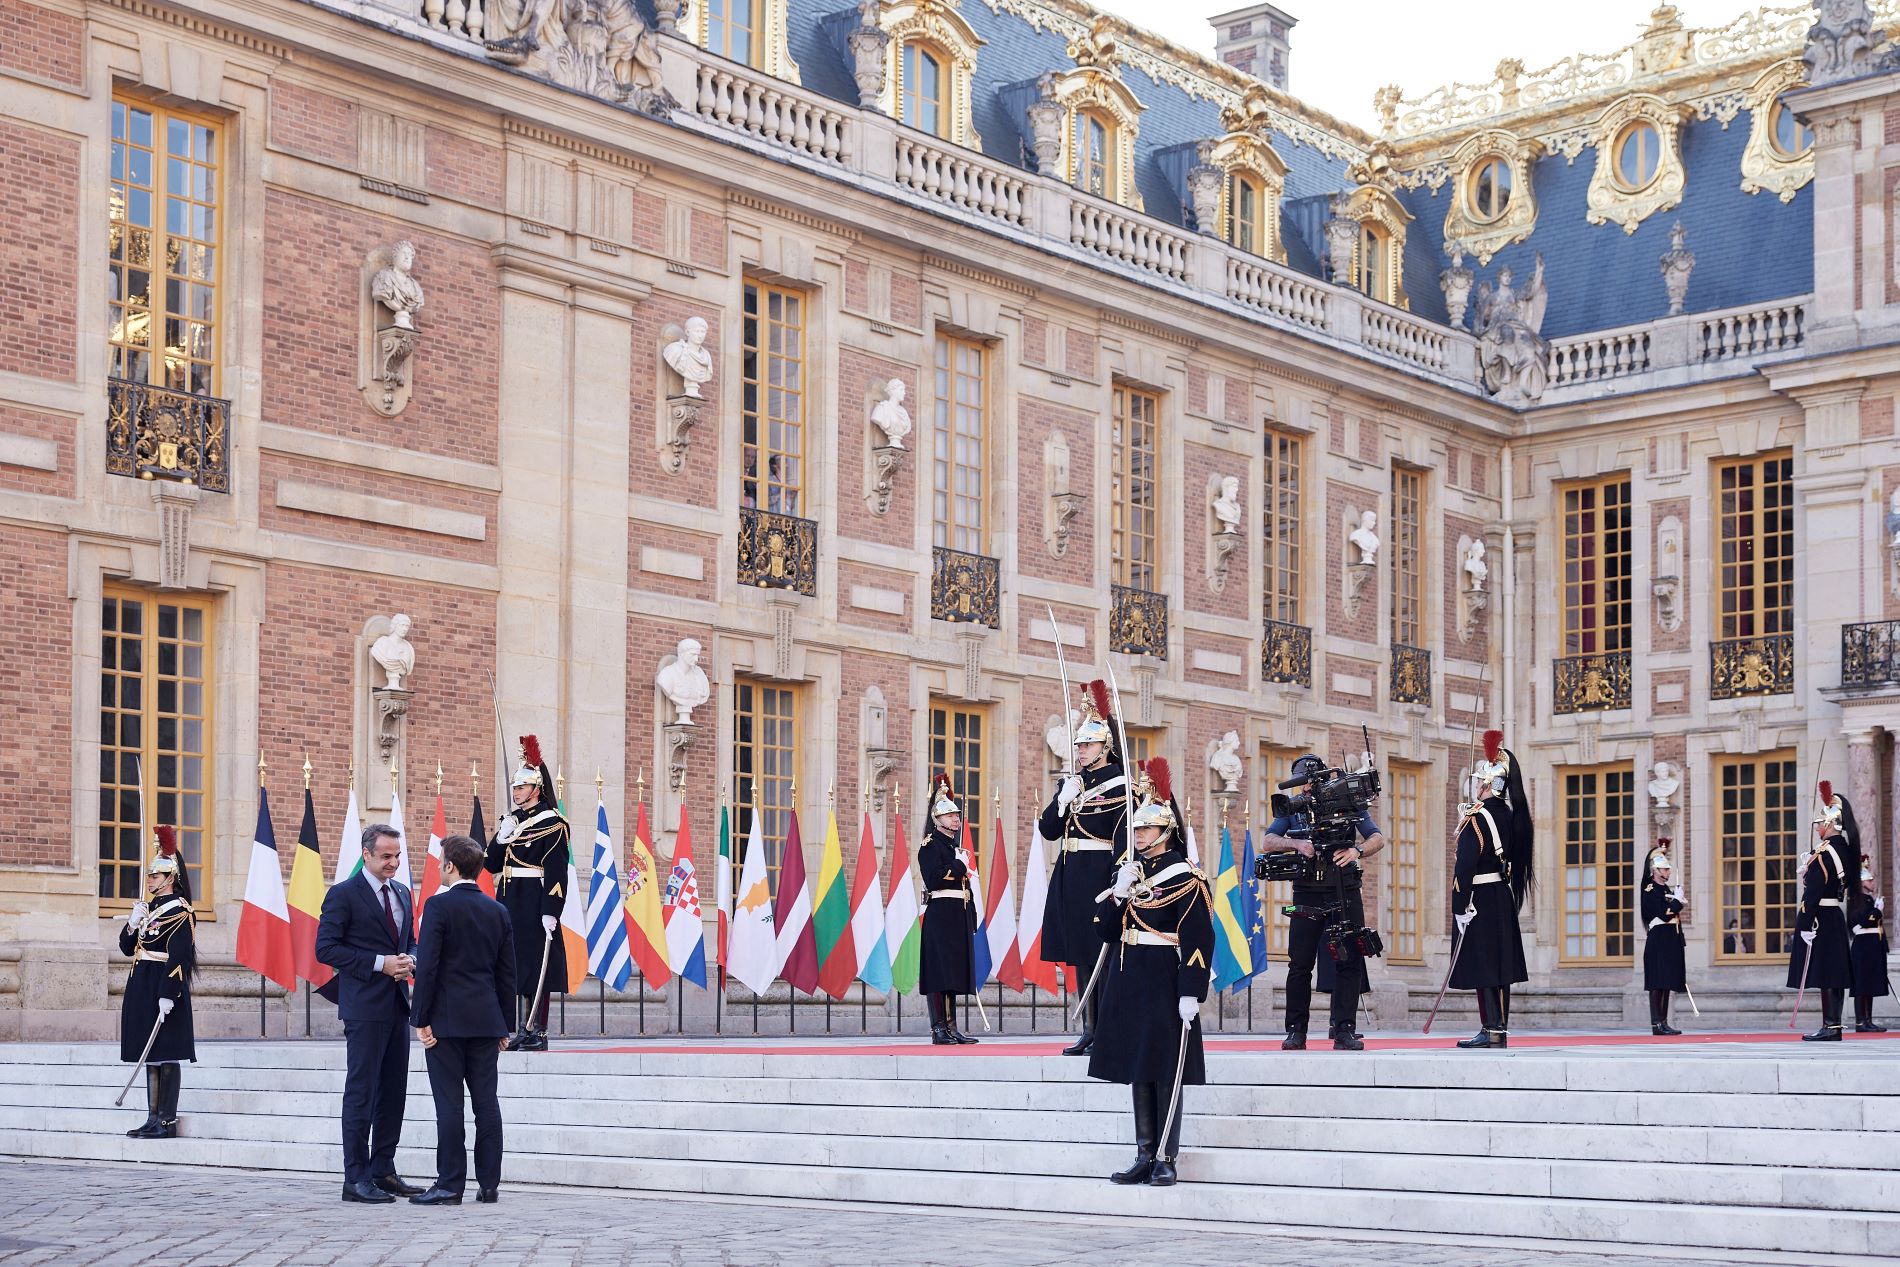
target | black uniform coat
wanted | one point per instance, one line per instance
(1493, 953)
(1095, 818)
(541, 842)
(1832, 968)
(946, 963)
(1138, 1035)
(1869, 951)
(1664, 965)
(167, 933)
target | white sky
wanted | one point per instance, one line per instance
(1344, 50)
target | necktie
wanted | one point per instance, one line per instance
(389, 909)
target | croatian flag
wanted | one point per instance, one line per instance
(685, 930)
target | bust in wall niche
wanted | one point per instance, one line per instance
(393, 654)
(683, 682)
(1227, 505)
(1364, 539)
(889, 415)
(688, 357)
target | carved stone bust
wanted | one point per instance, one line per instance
(1227, 504)
(689, 358)
(393, 653)
(1475, 567)
(395, 289)
(1364, 539)
(1663, 783)
(889, 415)
(1225, 760)
(683, 682)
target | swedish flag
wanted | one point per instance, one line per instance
(1233, 960)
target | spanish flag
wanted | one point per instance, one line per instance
(646, 927)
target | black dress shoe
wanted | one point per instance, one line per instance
(1826, 1034)
(940, 1037)
(487, 1196)
(366, 1192)
(962, 1037)
(1163, 1175)
(1871, 1027)
(1137, 1173)
(395, 1185)
(533, 1040)
(1295, 1040)
(1082, 1045)
(436, 1196)
(1345, 1038)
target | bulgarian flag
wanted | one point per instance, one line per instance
(432, 865)
(306, 899)
(867, 915)
(685, 927)
(791, 916)
(403, 875)
(999, 914)
(349, 853)
(646, 924)
(1029, 926)
(263, 936)
(831, 917)
(724, 889)
(903, 934)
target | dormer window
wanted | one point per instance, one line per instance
(1779, 156)
(749, 32)
(1638, 156)
(931, 63)
(923, 89)
(732, 30)
(1639, 170)
(1373, 272)
(1093, 146)
(1791, 138)
(1488, 189)
(1245, 222)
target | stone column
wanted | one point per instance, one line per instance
(1863, 788)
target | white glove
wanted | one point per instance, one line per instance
(1070, 789)
(1808, 937)
(1677, 894)
(1880, 904)
(963, 856)
(135, 919)
(1464, 921)
(1126, 879)
(1189, 1009)
(165, 1008)
(547, 922)
(507, 829)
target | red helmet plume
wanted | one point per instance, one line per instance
(1663, 842)
(1098, 696)
(167, 841)
(1161, 777)
(1493, 744)
(531, 751)
(1827, 792)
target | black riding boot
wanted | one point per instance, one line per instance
(1490, 1020)
(168, 1077)
(939, 1031)
(950, 1009)
(1346, 1038)
(1864, 1022)
(1830, 1031)
(1147, 1126)
(1086, 1040)
(152, 1097)
(1164, 1174)
(1504, 1015)
(1659, 1015)
(1668, 997)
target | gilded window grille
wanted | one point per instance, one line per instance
(156, 433)
(957, 747)
(1759, 836)
(156, 741)
(959, 446)
(1286, 653)
(778, 551)
(764, 764)
(1411, 681)
(1591, 683)
(965, 588)
(1138, 621)
(1408, 574)
(1600, 865)
(1403, 877)
(1133, 514)
(1740, 667)
(1281, 522)
(772, 399)
(1870, 654)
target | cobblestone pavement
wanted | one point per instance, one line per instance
(120, 1216)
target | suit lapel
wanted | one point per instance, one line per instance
(382, 916)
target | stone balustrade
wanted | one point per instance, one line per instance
(964, 179)
(1673, 351)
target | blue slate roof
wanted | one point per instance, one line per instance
(1749, 248)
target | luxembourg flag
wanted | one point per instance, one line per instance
(607, 954)
(1029, 926)
(263, 937)
(685, 929)
(999, 914)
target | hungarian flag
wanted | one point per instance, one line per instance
(754, 948)
(1232, 961)
(903, 934)
(685, 927)
(791, 915)
(999, 914)
(306, 898)
(831, 917)
(432, 865)
(478, 830)
(1029, 926)
(646, 925)
(867, 915)
(724, 888)
(263, 936)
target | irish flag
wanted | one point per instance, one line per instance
(263, 936)
(903, 934)
(306, 898)
(646, 924)
(432, 865)
(831, 917)
(867, 915)
(1029, 927)
(999, 914)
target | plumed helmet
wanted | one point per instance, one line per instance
(165, 859)
(1659, 857)
(1495, 765)
(1155, 787)
(943, 797)
(1830, 805)
(533, 770)
(1093, 727)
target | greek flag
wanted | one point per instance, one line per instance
(607, 955)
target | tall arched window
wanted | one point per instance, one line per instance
(733, 29)
(1094, 149)
(1246, 213)
(1375, 262)
(923, 90)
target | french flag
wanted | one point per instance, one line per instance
(264, 943)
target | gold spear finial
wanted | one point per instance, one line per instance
(897, 800)
(306, 771)
(600, 782)
(830, 799)
(260, 768)
(475, 777)
(560, 786)
(438, 779)
(640, 788)
(352, 774)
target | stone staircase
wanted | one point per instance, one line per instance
(1725, 1146)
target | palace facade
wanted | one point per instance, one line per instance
(1564, 404)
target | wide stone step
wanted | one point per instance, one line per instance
(1818, 1232)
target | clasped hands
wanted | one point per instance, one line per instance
(400, 967)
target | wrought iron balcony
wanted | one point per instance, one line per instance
(1286, 653)
(777, 551)
(1138, 622)
(1411, 675)
(1868, 654)
(1589, 683)
(1752, 666)
(157, 433)
(965, 588)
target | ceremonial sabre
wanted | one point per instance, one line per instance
(1062, 667)
(1456, 950)
(1174, 1101)
(1691, 993)
(547, 952)
(1128, 832)
(141, 1064)
(1807, 960)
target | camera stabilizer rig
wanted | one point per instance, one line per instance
(1334, 800)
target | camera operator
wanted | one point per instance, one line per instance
(1306, 936)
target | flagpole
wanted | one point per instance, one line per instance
(263, 1015)
(897, 813)
(679, 985)
(306, 980)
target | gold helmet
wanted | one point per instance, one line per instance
(1093, 727)
(1155, 788)
(943, 798)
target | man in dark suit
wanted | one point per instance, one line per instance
(464, 993)
(367, 933)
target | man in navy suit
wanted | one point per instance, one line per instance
(367, 933)
(465, 991)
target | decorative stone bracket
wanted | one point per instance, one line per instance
(678, 737)
(392, 713)
(1062, 508)
(1219, 551)
(886, 461)
(677, 420)
(175, 502)
(1064, 503)
(879, 765)
(1358, 576)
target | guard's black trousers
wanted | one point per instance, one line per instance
(1306, 942)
